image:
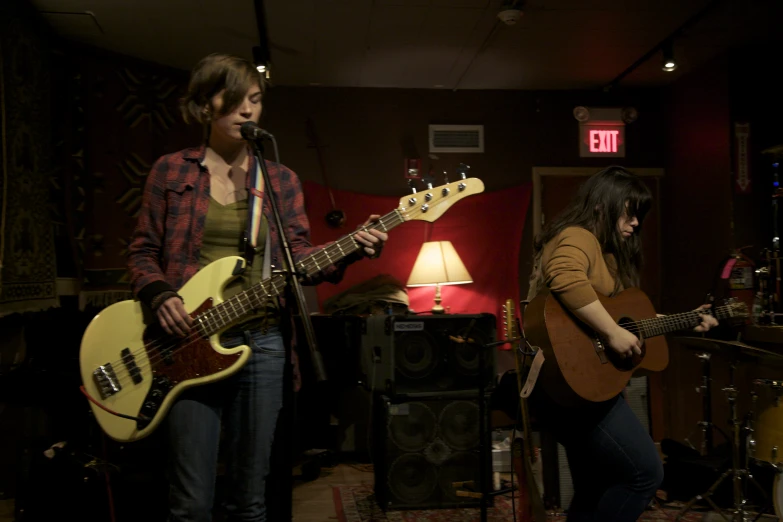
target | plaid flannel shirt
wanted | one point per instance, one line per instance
(164, 250)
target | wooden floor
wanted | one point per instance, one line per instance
(7, 510)
(312, 501)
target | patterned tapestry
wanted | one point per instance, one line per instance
(28, 265)
(132, 119)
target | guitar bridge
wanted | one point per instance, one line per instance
(600, 350)
(107, 381)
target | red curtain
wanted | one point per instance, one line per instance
(485, 229)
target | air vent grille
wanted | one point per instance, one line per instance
(456, 138)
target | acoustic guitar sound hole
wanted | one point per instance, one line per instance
(626, 364)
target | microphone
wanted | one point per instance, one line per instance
(251, 131)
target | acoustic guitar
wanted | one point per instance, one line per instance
(580, 367)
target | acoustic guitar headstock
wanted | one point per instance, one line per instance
(733, 312)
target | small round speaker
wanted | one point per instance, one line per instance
(412, 478)
(414, 430)
(582, 114)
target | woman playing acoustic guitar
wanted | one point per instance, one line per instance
(594, 246)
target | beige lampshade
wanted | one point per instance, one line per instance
(438, 263)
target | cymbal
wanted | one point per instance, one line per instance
(763, 334)
(776, 150)
(717, 345)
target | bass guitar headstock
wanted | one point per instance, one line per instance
(432, 203)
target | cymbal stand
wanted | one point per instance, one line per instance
(775, 297)
(739, 476)
(770, 275)
(705, 424)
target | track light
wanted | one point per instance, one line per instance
(668, 57)
(261, 60)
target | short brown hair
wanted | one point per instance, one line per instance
(212, 74)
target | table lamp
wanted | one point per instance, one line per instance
(438, 264)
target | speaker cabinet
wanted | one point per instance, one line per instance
(409, 354)
(423, 445)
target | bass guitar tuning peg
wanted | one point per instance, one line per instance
(428, 181)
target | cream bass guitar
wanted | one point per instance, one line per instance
(132, 371)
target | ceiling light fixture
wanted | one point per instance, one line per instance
(668, 57)
(690, 22)
(582, 114)
(510, 12)
(261, 60)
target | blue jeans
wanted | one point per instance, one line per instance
(615, 466)
(247, 405)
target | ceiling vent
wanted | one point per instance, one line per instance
(456, 138)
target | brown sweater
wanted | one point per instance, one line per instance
(573, 267)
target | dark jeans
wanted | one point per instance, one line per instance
(248, 404)
(615, 466)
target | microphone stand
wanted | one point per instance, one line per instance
(485, 451)
(294, 283)
(293, 287)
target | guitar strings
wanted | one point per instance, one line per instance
(253, 291)
(677, 320)
(681, 321)
(395, 218)
(197, 333)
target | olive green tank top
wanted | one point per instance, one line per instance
(223, 236)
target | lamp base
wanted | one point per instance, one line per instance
(437, 309)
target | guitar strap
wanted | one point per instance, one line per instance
(525, 450)
(255, 208)
(532, 375)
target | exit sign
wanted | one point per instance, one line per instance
(603, 140)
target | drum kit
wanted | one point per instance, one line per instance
(756, 438)
(767, 304)
(766, 433)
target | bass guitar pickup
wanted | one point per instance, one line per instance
(130, 365)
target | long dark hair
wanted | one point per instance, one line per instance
(597, 206)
